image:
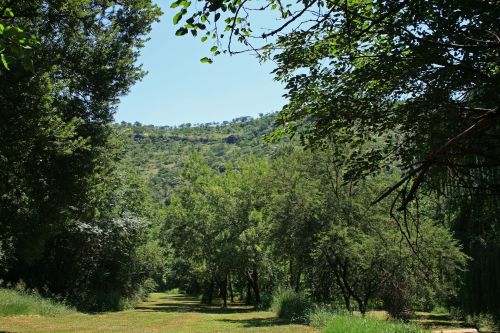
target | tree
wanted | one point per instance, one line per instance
(420, 77)
(354, 251)
(56, 155)
(374, 67)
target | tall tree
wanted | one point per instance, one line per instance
(54, 118)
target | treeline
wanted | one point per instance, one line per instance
(291, 221)
(73, 223)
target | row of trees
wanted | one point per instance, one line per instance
(291, 221)
(72, 222)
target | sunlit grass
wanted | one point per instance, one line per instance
(354, 324)
(161, 313)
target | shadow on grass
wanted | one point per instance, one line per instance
(256, 322)
(183, 303)
(430, 320)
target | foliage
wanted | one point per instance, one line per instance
(291, 305)
(482, 322)
(375, 70)
(101, 261)
(15, 302)
(290, 221)
(420, 78)
(475, 220)
(57, 177)
(15, 43)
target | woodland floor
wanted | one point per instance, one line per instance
(161, 313)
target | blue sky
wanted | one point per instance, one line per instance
(179, 89)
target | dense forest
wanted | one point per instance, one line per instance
(375, 188)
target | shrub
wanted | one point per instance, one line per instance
(266, 302)
(175, 291)
(482, 322)
(103, 269)
(352, 324)
(15, 302)
(291, 305)
(440, 310)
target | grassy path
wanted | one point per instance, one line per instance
(161, 313)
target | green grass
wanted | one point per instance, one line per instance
(161, 313)
(13, 302)
(353, 324)
(173, 312)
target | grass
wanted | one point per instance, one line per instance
(434, 320)
(161, 313)
(13, 302)
(354, 324)
(173, 312)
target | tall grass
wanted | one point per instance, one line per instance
(291, 305)
(353, 324)
(13, 302)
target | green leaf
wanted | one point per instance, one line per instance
(204, 38)
(206, 60)
(179, 15)
(181, 31)
(175, 4)
(8, 12)
(4, 61)
(213, 49)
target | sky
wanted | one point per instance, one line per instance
(180, 89)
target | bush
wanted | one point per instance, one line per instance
(103, 269)
(482, 322)
(266, 302)
(291, 305)
(352, 324)
(175, 291)
(15, 302)
(440, 310)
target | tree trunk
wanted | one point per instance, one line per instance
(249, 299)
(210, 292)
(230, 285)
(224, 291)
(295, 273)
(361, 306)
(255, 286)
(297, 276)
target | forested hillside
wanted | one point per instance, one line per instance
(157, 153)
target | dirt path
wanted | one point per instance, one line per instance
(162, 313)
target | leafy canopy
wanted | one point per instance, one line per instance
(420, 76)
